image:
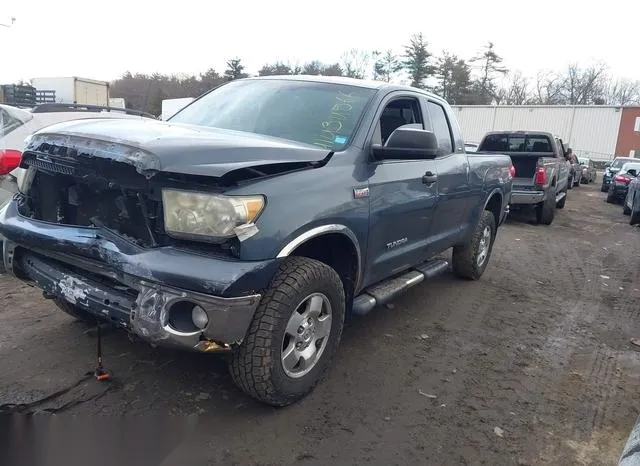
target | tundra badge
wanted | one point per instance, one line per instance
(397, 242)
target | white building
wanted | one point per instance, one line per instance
(592, 131)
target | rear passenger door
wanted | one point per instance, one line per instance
(454, 192)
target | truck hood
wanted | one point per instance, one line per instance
(156, 146)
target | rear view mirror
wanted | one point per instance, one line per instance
(408, 142)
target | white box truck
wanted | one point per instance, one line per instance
(75, 90)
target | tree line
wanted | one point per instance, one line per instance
(478, 80)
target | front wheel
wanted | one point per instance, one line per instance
(293, 335)
(571, 182)
(470, 260)
(611, 198)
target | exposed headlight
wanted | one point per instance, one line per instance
(202, 216)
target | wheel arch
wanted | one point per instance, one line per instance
(317, 243)
(494, 204)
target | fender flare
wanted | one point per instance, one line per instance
(322, 230)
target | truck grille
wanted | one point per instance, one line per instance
(93, 192)
(46, 163)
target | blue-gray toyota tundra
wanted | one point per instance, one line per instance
(255, 220)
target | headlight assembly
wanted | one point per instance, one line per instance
(207, 217)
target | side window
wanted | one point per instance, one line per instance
(441, 128)
(398, 112)
(560, 148)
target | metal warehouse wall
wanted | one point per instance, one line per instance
(589, 130)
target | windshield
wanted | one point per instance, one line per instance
(618, 163)
(11, 118)
(516, 143)
(322, 114)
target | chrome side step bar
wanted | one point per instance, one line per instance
(387, 290)
(560, 196)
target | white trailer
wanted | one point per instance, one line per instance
(75, 90)
(590, 130)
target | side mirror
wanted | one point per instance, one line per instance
(632, 172)
(407, 142)
(607, 165)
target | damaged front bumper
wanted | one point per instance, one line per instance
(149, 292)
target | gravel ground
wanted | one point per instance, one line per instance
(530, 365)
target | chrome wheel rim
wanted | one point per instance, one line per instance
(483, 249)
(306, 335)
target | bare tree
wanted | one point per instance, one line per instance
(548, 89)
(356, 63)
(516, 91)
(623, 92)
(585, 86)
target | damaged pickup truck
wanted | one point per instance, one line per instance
(255, 220)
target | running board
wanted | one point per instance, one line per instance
(387, 290)
(560, 196)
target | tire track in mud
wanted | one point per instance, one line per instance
(587, 381)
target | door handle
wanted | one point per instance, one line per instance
(429, 178)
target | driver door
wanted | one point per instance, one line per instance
(402, 198)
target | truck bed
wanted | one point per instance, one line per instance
(525, 162)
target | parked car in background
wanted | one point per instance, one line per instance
(17, 124)
(542, 171)
(588, 172)
(611, 169)
(619, 185)
(631, 204)
(255, 219)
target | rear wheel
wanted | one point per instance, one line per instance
(470, 260)
(571, 182)
(293, 335)
(560, 204)
(546, 210)
(634, 218)
(625, 209)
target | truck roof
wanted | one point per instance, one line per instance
(366, 83)
(522, 132)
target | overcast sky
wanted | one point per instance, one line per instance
(101, 40)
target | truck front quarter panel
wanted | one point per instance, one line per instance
(328, 200)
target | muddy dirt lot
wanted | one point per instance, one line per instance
(538, 348)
